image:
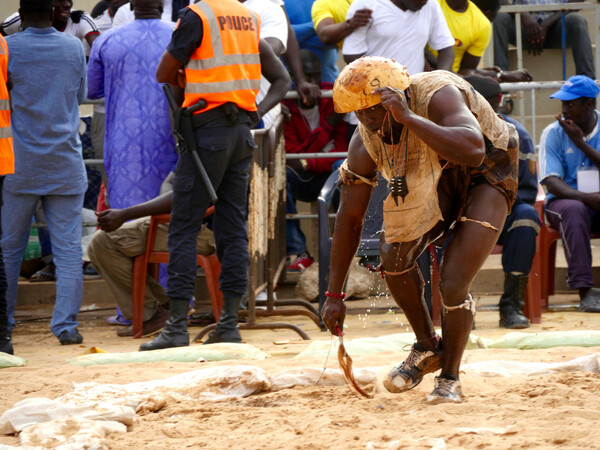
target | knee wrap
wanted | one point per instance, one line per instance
(468, 304)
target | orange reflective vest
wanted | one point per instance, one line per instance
(226, 66)
(7, 158)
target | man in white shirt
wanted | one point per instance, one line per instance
(66, 20)
(400, 29)
(274, 30)
(170, 12)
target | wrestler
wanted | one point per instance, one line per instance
(451, 163)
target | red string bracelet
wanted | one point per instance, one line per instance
(329, 294)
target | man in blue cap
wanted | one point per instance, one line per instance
(569, 154)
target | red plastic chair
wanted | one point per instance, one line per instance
(149, 262)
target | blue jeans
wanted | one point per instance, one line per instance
(63, 216)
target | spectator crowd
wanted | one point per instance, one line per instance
(54, 56)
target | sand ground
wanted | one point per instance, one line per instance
(550, 411)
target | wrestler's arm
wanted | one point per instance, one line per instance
(451, 130)
(354, 202)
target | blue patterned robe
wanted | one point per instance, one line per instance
(139, 150)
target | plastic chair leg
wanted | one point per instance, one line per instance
(212, 268)
(533, 294)
(138, 292)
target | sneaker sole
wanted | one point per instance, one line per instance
(433, 365)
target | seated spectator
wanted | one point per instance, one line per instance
(400, 29)
(48, 160)
(522, 224)
(331, 25)
(75, 23)
(299, 14)
(122, 236)
(471, 30)
(543, 29)
(312, 128)
(567, 147)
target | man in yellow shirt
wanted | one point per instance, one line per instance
(331, 25)
(471, 29)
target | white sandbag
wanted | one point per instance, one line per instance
(527, 341)
(309, 376)
(208, 383)
(70, 433)
(213, 352)
(398, 343)
(7, 360)
(588, 363)
(37, 410)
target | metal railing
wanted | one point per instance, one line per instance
(506, 87)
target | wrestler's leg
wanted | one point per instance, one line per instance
(470, 246)
(405, 283)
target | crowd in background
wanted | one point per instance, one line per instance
(115, 55)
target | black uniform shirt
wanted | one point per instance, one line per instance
(187, 37)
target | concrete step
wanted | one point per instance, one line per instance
(94, 292)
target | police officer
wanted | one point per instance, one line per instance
(215, 55)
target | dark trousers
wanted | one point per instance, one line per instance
(226, 152)
(575, 221)
(518, 238)
(3, 285)
(578, 38)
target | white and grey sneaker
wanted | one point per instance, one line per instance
(410, 373)
(445, 391)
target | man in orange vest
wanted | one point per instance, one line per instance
(7, 166)
(215, 55)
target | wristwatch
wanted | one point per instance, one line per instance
(499, 76)
(304, 165)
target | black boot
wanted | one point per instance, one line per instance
(175, 333)
(227, 329)
(512, 301)
(5, 341)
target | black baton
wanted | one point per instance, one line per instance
(184, 131)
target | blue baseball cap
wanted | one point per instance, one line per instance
(577, 87)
